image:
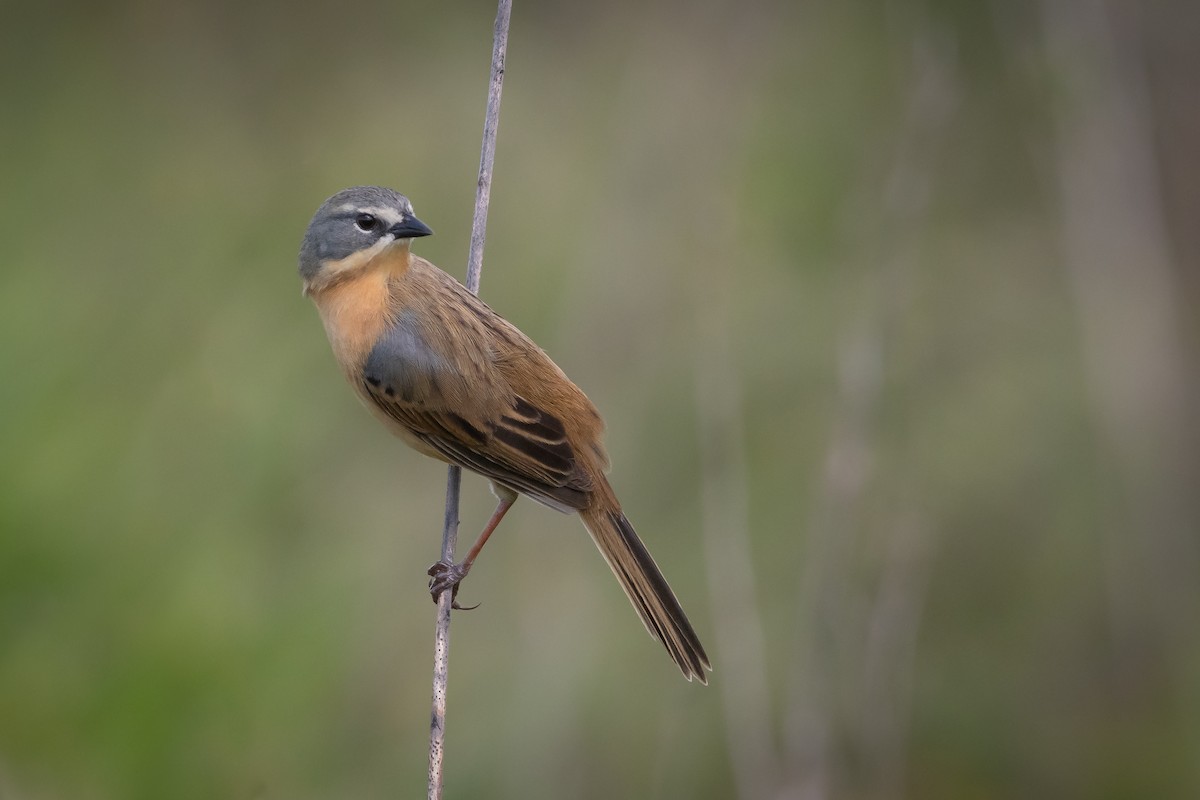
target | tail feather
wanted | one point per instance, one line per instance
(647, 589)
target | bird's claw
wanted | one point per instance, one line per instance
(443, 576)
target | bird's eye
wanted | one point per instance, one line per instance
(366, 223)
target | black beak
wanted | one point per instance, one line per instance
(409, 228)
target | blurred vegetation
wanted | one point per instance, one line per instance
(891, 309)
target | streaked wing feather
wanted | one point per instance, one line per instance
(526, 449)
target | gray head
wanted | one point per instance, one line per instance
(360, 221)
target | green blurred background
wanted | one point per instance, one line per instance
(891, 309)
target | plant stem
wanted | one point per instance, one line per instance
(441, 650)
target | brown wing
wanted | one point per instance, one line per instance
(447, 392)
(525, 449)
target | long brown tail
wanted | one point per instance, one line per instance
(647, 589)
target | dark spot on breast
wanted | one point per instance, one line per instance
(389, 391)
(371, 379)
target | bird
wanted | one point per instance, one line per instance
(457, 382)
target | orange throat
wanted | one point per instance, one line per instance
(356, 305)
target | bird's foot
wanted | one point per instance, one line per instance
(444, 575)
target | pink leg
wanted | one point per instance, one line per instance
(445, 576)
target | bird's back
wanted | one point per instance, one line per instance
(502, 358)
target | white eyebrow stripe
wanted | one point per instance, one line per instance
(386, 213)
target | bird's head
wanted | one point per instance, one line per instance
(351, 229)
